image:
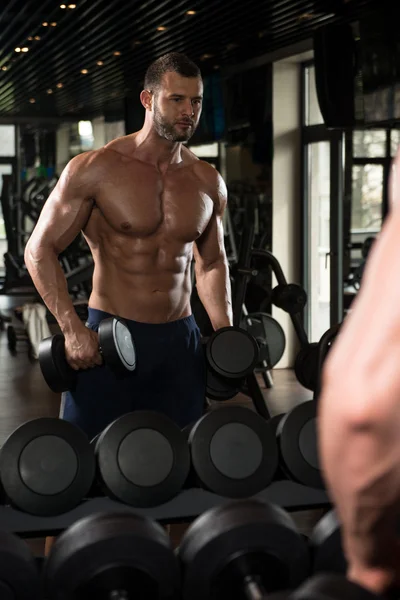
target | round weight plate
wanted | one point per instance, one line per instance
(234, 452)
(143, 459)
(297, 440)
(306, 366)
(232, 352)
(57, 373)
(117, 345)
(19, 577)
(326, 546)
(219, 388)
(124, 556)
(262, 534)
(47, 466)
(269, 333)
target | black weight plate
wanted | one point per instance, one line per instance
(306, 366)
(297, 441)
(103, 554)
(220, 388)
(143, 459)
(232, 352)
(117, 345)
(326, 546)
(57, 373)
(47, 466)
(19, 577)
(262, 533)
(266, 330)
(234, 452)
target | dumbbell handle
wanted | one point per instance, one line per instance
(253, 589)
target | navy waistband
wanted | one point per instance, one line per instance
(95, 316)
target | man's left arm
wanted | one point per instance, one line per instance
(211, 267)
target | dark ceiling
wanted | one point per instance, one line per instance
(115, 40)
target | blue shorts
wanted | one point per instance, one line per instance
(170, 377)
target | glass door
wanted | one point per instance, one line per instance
(5, 169)
(323, 225)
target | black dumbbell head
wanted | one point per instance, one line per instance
(143, 459)
(103, 554)
(239, 539)
(47, 466)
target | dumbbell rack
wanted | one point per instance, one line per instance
(184, 507)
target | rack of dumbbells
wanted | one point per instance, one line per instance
(235, 474)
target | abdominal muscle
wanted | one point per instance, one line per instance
(149, 288)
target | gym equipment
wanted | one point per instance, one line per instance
(114, 556)
(143, 459)
(310, 360)
(233, 451)
(296, 435)
(326, 546)
(306, 366)
(46, 466)
(331, 587)
(116, 346)
(232, 352)
(291, 297)
(242, 549)
(270, 337)
(19, 576)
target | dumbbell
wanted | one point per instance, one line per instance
(232, 353)
(19, 576)
(296, 435)
(270, 338)
(116, 346)
(242, 549)
(115, 556)
(233, 452)
(142, 458)
(47, 467)
(326, 546)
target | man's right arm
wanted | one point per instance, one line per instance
(63, 216)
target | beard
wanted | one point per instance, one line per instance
(168, 130)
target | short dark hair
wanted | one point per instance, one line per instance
(173, 61)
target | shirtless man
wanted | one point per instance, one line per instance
(359, 415)
(146, 205)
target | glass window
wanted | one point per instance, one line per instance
(313, 113)
(366, 206)
(394, 141)
(7, 140)
(369, 144)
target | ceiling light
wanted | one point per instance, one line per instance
(190, 12)
(216, 67)
(45, 24)
(63, 6)
(54, 24)
(137, 43)
(71, 5)
(25, 49)
(84, 71)
(32, 100)
(205, 56)
(49, 91)
(100, 63)
(30, 38)
(161, 28)
(60, 85)
(117, 53)
(4, 68)
(17, 49)
(37, 37)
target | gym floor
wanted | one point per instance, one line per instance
(24, 396)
